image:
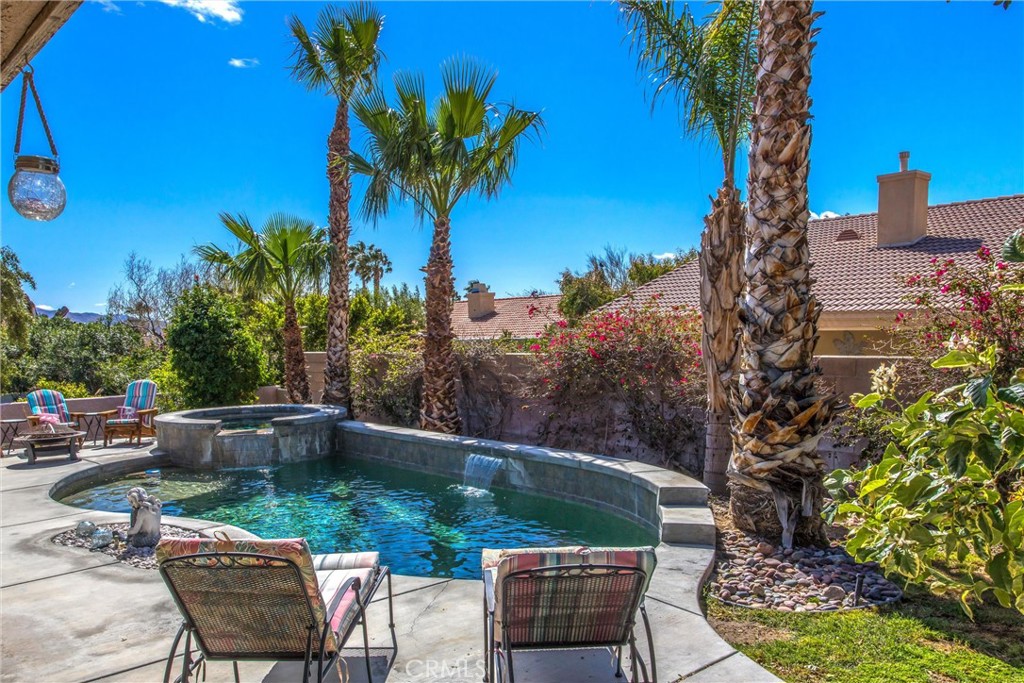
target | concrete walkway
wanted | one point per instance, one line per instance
(70, 615)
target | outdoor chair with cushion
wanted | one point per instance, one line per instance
(566, 598)
(135, 417)
(48, 405)
(268, 600)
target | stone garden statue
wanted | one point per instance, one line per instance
(145, 519)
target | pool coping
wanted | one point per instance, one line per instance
(673, 598)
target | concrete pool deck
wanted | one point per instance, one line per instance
(68, 614)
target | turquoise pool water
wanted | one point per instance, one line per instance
(422, 524)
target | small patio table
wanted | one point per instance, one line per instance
(51, 444)
(9, 430)
(93, 424)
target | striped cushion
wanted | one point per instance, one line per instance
(49, 401)
(331, 581)
(117, 422)
(504, 562)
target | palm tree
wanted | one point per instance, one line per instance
(284, 258)
(341, 57)
(369, 263)
(775, 473)
(709, 69)
(436, 157)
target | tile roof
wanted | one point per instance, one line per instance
(853, 274)
(520, 316)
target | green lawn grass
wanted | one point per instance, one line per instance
(924, 639)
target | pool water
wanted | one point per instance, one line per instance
(245, 424)
(422, 524)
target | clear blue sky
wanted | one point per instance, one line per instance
(158, 132)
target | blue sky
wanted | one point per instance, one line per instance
(158, 132)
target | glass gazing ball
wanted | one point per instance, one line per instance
(36, 191)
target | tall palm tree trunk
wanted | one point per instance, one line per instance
(775, 472)
(296, 380)
(337, 379)
(438, 411)
(721, 268)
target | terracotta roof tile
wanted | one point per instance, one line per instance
(520, 316)
(854, 274)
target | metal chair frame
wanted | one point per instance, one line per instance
(497, 653)
(315, 631)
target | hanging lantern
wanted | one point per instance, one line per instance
(35, 190)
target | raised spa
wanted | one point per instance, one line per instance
(248, 436)
(422, 524)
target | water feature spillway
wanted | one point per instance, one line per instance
(480, 470)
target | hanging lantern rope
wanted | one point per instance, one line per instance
(28, 83)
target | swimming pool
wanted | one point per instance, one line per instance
(422, 524)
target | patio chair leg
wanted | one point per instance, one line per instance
(366, 648)
(170, 657)
(309, 656)
(511, 670)
(186, 660)
(235, 666)
(650, 643)
(618, 662)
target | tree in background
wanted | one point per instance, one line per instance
(214, 360)
(147, 295)
(369, 263)
(16, 309)
(464, 145)
(708, 68)
(775, 474)
(283, 259)
(610, 275)
(341, 57)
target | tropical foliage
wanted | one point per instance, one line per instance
(284, 258)
(775, 471)
(641, 357)
(16, 308)
(215, 361)
(609, 275)
(369, 263)
(340, 57)
(708, 68)
(463, 145)
(945, 505)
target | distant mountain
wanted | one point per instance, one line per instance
(78, 317)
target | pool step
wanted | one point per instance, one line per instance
(689, 524)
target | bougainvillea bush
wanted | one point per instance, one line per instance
(639, 367)
(973, 299)
(944, 507)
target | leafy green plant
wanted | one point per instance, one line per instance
(944, 507)
(387, 370)
(217, 362)
(67, 389)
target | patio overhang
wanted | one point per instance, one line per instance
(25, 27)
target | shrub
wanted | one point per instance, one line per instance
(944, 507)
(67, 389)
(216, 361)
(387, 374)
(642, 359)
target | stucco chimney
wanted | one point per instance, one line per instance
(902, 205)
(481, 301)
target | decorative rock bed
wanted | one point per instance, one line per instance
(752, 573)
(119, 548)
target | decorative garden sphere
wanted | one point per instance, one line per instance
(35, 190)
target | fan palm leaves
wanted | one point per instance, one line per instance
(707, 67)
(436, 156)
(284, 258)
(340, 56)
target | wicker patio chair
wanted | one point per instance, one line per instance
(268, 600)
(566, 598)
(52, 401)
(139, 398)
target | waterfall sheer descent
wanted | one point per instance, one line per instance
(480, 470)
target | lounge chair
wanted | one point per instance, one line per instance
(268, 600)
(572, 598)
(51, 401)
(135, 418)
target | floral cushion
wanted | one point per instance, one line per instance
(49, 419)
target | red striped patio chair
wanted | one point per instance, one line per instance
(51, 401)
(571, 598)
(268, 600)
